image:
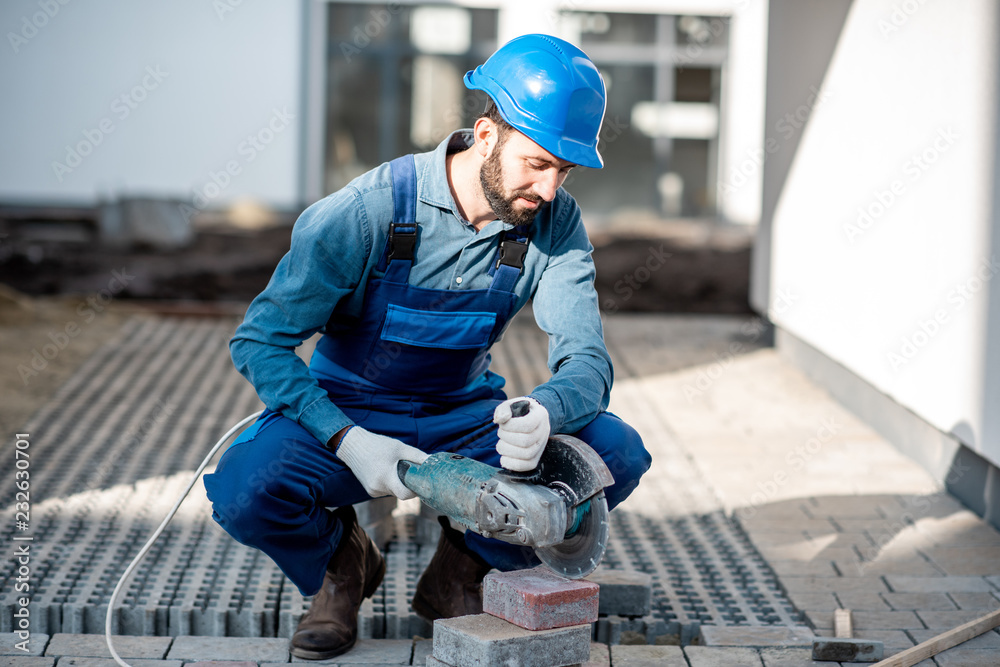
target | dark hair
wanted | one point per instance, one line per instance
(493, 113)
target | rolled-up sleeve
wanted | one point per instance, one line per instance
(330, 246)
(565, 306)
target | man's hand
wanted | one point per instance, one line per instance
(373, 458)
(523, 437)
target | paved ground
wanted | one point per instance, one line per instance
(842, 518)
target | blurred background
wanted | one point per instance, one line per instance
(827, 165)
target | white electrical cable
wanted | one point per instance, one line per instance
(156, 534)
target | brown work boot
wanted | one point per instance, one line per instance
(452, 584)
(330, 627)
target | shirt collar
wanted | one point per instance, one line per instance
(434, 189)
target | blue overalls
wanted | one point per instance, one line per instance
(415, 368)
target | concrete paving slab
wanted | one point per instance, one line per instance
(70, 661)
(994, 580)
(600, 656)
(755, 637)
(539, 599)
(987, 640)
(483, 640)
(790, 657)
(916, 567)
(834, 584)
(870, 620)
(981, 601)
(948, 619)
(798, 568)
(967, 657)
(709, 656)
(26, 661)
(371, 652)
(862, 601)
(95, 646)
(908, 584)
(9, 641)
(257, 649)
(647, 656)
(924, 601)
(421, 649)
(222, 663)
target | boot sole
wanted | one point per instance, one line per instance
(369, 591)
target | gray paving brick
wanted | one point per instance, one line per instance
(948, 619)
(994, 580)
(908, 584)
(647, 656)
(755, 637)
(924, 601)
(36, 644)
(431, 661)
(965, 561)
(913, 567)
(421, 649)
(790, 657)
(966, 657)
(869, 620)
(600, 656)
(483, 640)
(847, 507)
(623, 592)
(95, 646)
(980, 601)
(833, 584)
(811, 600)
(70, 661)
(372, 652)
(26, 661)
(709, 656)
(987, 640)
(229, 648)
(862, 601)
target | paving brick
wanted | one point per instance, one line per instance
(981, 601)
(847, 507)
(229, 648)
(994, 580)
(600, 656)
(431, 661)
(915, 567)
(867, 620)
(647, 656)
(539, 599)
(483, 640)
(95, 646)
(26, 661)
(421, 649)
(790, 657)
(709, 656)
(907, 584)
(966, 657)
(222, 663)
(862, 601)
(948, 619)
(961, 561)
(36, 644)
(372, 652)
(853, 649)
(925, 601)
(833, 584)
(811, 600)
(623, 592)
(68, 661)
(759, 636)
(987, 640)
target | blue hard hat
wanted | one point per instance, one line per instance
(550, 91)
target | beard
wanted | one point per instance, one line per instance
(491, 179)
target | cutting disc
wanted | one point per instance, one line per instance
(580, 554)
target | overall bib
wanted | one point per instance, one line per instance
(413, 367)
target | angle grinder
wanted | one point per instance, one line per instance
(558, 509)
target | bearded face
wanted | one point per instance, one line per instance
(505, 203)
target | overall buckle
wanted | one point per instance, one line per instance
(402, 240)
(512, 253)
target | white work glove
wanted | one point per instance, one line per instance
(373, 458)
(522, 439)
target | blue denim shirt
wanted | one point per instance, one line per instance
(336, 245)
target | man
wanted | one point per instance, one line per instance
(412, 272)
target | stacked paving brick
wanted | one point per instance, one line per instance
(532, 618)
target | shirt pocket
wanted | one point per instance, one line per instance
(434, 329)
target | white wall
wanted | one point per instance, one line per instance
(226, 70)
(881, 236)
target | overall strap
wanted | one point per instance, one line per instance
(397, 257)
(510, 259)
